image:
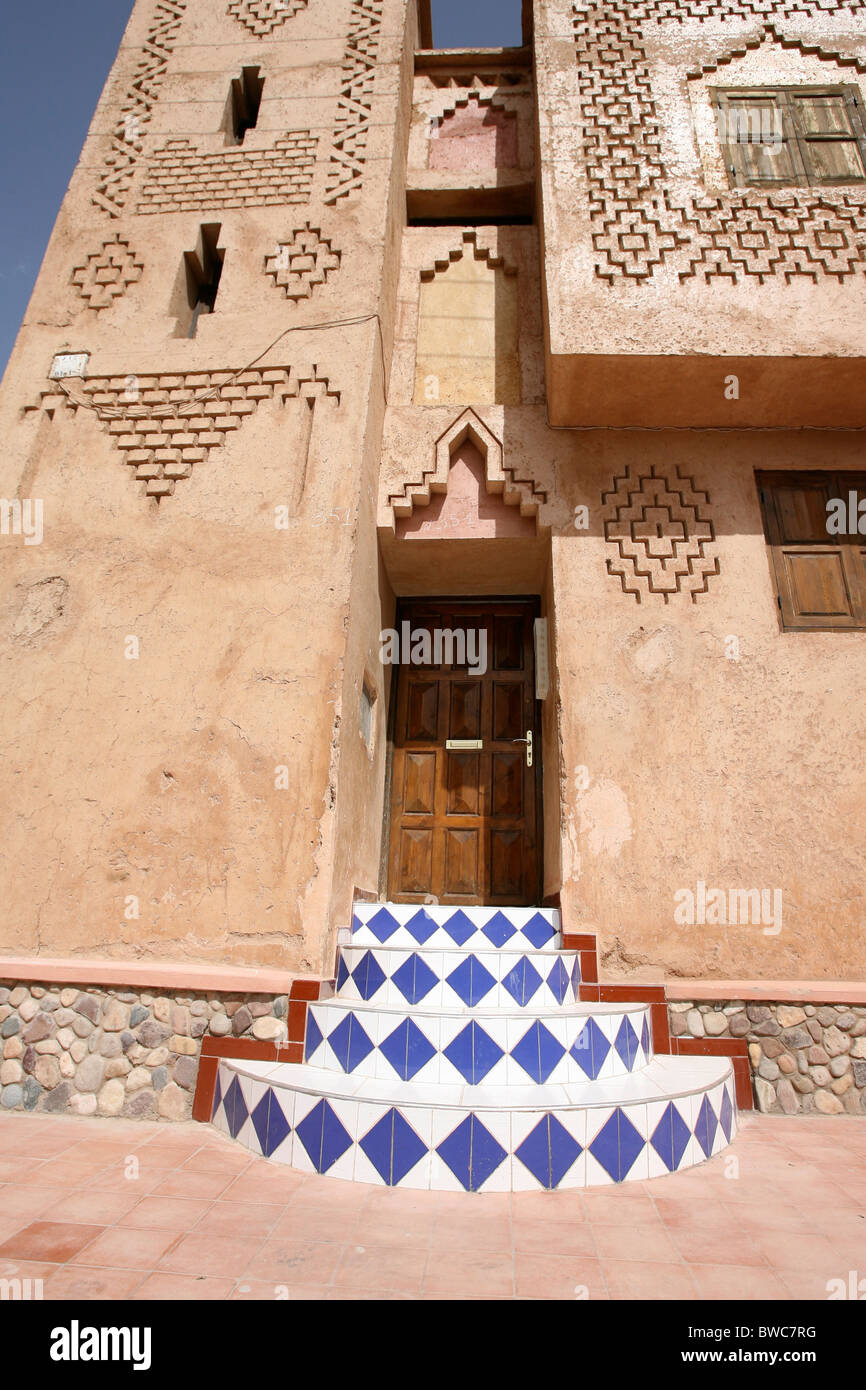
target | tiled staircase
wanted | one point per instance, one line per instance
(454, 1053)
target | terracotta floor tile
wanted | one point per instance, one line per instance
(212, 1255)
(549, 1206)
(117, 1179)
(475, 1231)
(53, 1241)
(457, 1273)
(635, 1279)
(178, 1214)
(648, 1243)
(288, 1261)
(394, 1268)
(731, 1247)
(61, 1172)
(174, 1288)
(161, 1153)
(29, 1201)
(195, 1185)
(123, 1247)
(554, 1238)
(558, 1277)
(78, 1282)
(784, 1250)
(101, 1208)
(619, 1207)
(299, 1222)
(239, 1220)
(28, 1269)
(380, 1228)
(261, 1291)
(281, 1187)
(738, 1283)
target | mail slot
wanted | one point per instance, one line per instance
(464, 745)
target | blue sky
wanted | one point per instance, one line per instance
(63, 50)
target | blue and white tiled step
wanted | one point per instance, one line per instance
(584, 1043)
(491, 979)
(674, 1114)
(469, 928)
(454, 1053)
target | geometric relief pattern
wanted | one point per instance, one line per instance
(640, 222)
(354, 106)
(662, 536)
(181, 179)
(127, 140)
(106, 273)
(262, 17)
(302, 263)
(164, 425)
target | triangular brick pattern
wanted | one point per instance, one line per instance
(355, 102)
(640, 222)
(302, 263)
(107, 273)
(127, 142)
(165, 425)
(661, 533)
(182, 179)
(454, 1054)
(262, 17)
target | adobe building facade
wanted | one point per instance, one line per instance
(337, 336)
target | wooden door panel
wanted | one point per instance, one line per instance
(464, 822)
(419, 784)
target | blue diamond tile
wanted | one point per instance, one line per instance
(414, 979)
(539, 931)
(558, 981)
(590, 1049)
(726, 1115)
(499, 929)
(407, 1049)
(538, 1052)
(626, 1043)
(350, 1043)
(459, 927)
(343, 974)
(383, 925)
(575, 978)
(421, 927)
(270, 1123)
(706, 1126)
(644, 1037)
(217, 1095)
(393, 1147)
(472, 1153)
(235, 1108)
(549, 1151)
(314, 1038)
(522, 982)
(473, 1053)
(670, 1138)
(368, 975)
(617, 1146)
(323, 1136)
(471, 981)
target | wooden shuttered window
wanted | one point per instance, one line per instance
(792, 136)
(820, 576)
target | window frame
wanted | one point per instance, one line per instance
(851, 547)
(797, 139)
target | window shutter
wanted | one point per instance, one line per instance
(820, 577)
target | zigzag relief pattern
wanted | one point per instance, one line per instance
(164, 425)
(660, 534)
(262, 17)
(127, 141)
(349, 152)
(639, 223)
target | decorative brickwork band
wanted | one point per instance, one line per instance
(262, 17)
(165, 425)
(180, 179)
(660, 534)
(141, 95)
(106, 273)
(639, 221)
(349, 150)
(302, 263)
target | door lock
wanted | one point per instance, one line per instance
(528, 742)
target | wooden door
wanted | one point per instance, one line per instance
(464, 822)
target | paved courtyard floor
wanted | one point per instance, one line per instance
(123, 1210)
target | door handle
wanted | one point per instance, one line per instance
(528, 742)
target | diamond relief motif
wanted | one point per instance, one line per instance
(303, 263)
(262, 17)
(106, 273)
